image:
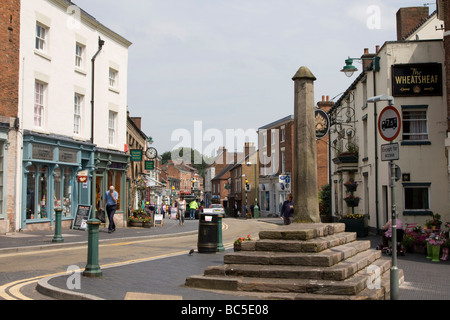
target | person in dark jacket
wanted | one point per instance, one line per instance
(287, 210)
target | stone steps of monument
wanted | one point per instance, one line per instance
(325, 258)
(351, 287)
(380, 291)
(302, 261)
(312, 245)
(307, 232)
(340, 271)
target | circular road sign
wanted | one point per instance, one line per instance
(389, 123)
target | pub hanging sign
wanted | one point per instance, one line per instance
(415, 80)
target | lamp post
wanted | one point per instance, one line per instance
(394, 269)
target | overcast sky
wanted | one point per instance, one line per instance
(230, 63)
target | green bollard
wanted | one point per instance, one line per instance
(256, 211)
(220, 247)
(92, 268)
(57, 238)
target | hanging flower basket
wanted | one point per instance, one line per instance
(352, 201)
(351, 185)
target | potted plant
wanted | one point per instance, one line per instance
(434, 223)
(434, 243)
(419, 242)
(134, 221)
(238, 242)
(351, 185)
(352, 201)
(408, 242)
(147, 222)
(356, 223)
(445, 249)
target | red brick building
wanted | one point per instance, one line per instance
(9, 102)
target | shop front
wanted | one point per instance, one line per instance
(111, 170)
(50, 167)
(273, 191)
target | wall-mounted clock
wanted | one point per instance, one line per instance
(151, 153)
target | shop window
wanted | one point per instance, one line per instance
(31, 193)
(67, 193)
(37, 193)
(62, 193)
(43, 193)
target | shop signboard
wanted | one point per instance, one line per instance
(415, 80)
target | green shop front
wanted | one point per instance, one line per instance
(53, 167)
(50, 167)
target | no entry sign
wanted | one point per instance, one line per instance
(389, 123)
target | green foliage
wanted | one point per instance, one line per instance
(324, 200)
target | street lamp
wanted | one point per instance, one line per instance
(349, 68)
(394, 268)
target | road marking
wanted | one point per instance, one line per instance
(11, 291)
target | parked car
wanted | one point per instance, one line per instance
(216, 208)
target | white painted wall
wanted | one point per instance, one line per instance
(57, 68)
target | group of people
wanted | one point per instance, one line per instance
(182, 206)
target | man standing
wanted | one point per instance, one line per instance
(111, 198)
(193, 206)
(287, 210)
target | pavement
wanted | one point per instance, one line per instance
(424, 279)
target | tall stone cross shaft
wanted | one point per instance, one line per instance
(306, 197)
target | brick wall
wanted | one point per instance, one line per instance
(9, 99)
(408, 19)
(9, 54)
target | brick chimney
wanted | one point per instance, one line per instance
(367, 58)
(249, 148)
(137, 121)
(325, 104)
(408, 19)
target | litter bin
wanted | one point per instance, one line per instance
(207, 233)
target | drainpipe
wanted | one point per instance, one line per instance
(100, 45)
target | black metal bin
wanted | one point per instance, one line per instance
(207, 233)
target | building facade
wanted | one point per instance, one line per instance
(276, 160)
(411, 70)
(74, 137)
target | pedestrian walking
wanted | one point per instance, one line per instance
(193, 206)
(287, 210)
(181, 205)
(111, 197)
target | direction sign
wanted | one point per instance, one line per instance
(389, 123)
